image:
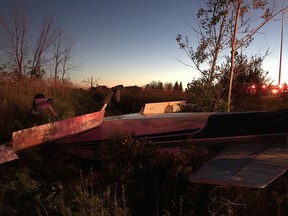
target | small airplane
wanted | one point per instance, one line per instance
(255, 148)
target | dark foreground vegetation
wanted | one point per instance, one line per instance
(131, 179)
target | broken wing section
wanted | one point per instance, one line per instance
(41, 134)
(252, 164)
(6, 154)
(52, 131)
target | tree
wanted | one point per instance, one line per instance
(241, 10)
(25, 57)
(14, 43)
(181, 87)
(176, 86)
(67, 64)
(212, 30)
(62, 48)
(91, 82)
(248, 72)
(155, 85)
(160, 85)
(168, 86)
(48, 35)
(219, 24)
(57, 58)
(200, 100)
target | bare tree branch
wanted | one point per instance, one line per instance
(47, 36)
(14, 41)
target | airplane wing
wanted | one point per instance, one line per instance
(33, 136)
(41, 134)
(252, 164)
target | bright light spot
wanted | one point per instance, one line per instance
(264, 86)
(253, 86)
(274, 91)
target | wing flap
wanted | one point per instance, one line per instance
(252, 164)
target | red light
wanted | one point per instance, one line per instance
(253, 86)
(264, 86)
(274, 91)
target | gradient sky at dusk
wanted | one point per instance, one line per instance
(132, 42)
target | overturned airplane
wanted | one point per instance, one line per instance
(255, 147)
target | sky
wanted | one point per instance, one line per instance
(132, 42)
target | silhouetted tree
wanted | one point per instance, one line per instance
(154, 85)
(91, 82)
(14, 41)
(47, 36)
(24, 56)
(181, 86)
(248, 72)
(176, 86)
(168, 86)
(62, 48)
(202, 102)
(160, 85)
(219, 24)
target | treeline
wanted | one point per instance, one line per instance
(153, 85)
(166, 86)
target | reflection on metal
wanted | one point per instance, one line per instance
(163, 107)
(42, 103)
(153, 128)
(49, 132)
(6, 154)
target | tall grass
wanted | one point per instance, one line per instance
(16, 102)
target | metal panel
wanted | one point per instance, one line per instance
(140, 125)
(252, 164)
(49, 132)
(163, 107)
(6, 154)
